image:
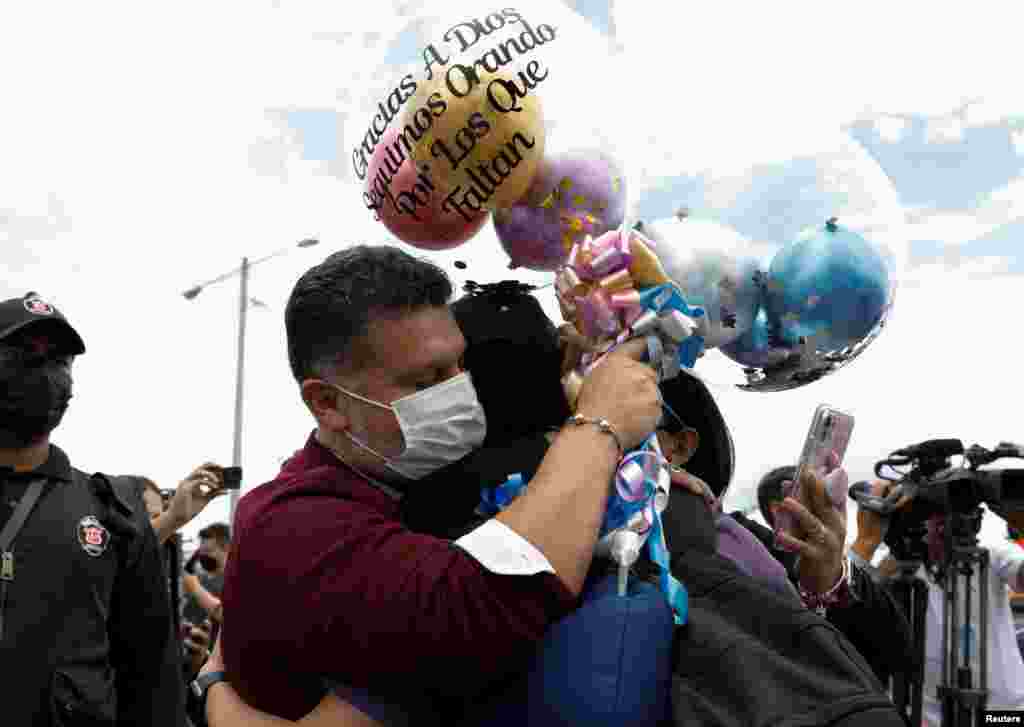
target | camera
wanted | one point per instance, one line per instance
(925, 473)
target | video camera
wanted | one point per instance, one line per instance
(925, 473)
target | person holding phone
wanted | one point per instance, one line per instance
(206, 589)
(193, 494)
(814, 537)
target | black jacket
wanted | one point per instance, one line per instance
(87, 635)
(876, 625)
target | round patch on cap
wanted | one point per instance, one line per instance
(92, 536)
(38, 306)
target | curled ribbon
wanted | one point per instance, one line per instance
(598, 287)
(613, 293)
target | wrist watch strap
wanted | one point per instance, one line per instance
(201, 686)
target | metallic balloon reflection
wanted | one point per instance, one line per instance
(715, 269)
(827, 297)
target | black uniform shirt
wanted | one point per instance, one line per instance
(57, 468)
(86, 621)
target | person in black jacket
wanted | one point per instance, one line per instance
(85, 618)
(873, 621)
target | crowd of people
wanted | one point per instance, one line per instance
(366, 585)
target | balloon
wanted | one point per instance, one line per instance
(479, 135)
(770, 188)
(758, 348)
(828, 296)
(778, 190)
(575, 194)
(416, 216)
(711, 265)
(443, 62)
(830, 287)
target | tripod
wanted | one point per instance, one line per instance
(964, 694)
(911, 592)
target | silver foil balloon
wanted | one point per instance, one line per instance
(828, 297)
(712, 265)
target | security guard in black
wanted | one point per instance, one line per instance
(85, 620)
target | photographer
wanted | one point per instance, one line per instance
(169, 512)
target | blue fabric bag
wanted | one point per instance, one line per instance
(609, 663)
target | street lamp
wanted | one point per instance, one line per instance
(243, 306)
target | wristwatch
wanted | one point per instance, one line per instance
(201, 686)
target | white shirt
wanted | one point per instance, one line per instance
(1005, 666)
(500, 549)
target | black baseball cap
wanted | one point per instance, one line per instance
(17, 314)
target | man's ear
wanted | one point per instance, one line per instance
(322, 401)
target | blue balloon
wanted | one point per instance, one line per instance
(829, 290)
(757, 348)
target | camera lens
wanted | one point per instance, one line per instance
(826, 428)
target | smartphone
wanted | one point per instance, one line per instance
(232, 478)
(830, 433)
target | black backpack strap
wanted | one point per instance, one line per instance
(21, 513)
(118, 496)
(7, 536)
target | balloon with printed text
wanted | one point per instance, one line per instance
(424, 225)
(467, 93)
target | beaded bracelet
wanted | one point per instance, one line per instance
(838, 595)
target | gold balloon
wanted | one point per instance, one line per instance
(477, 135)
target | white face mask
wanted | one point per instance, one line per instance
(440, 425)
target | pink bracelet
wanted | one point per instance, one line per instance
(836, 596)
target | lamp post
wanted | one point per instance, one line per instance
(243, 308)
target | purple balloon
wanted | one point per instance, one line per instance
(574, 194)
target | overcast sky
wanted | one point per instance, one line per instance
(147, 147)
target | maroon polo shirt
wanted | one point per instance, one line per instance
(323, 580)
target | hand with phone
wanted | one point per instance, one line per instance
(811, 519)
(202, 486)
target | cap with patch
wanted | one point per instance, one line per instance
(17, 314)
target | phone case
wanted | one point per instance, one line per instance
(232, 478)
(830, 432)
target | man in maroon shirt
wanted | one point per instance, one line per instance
(324, 581)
